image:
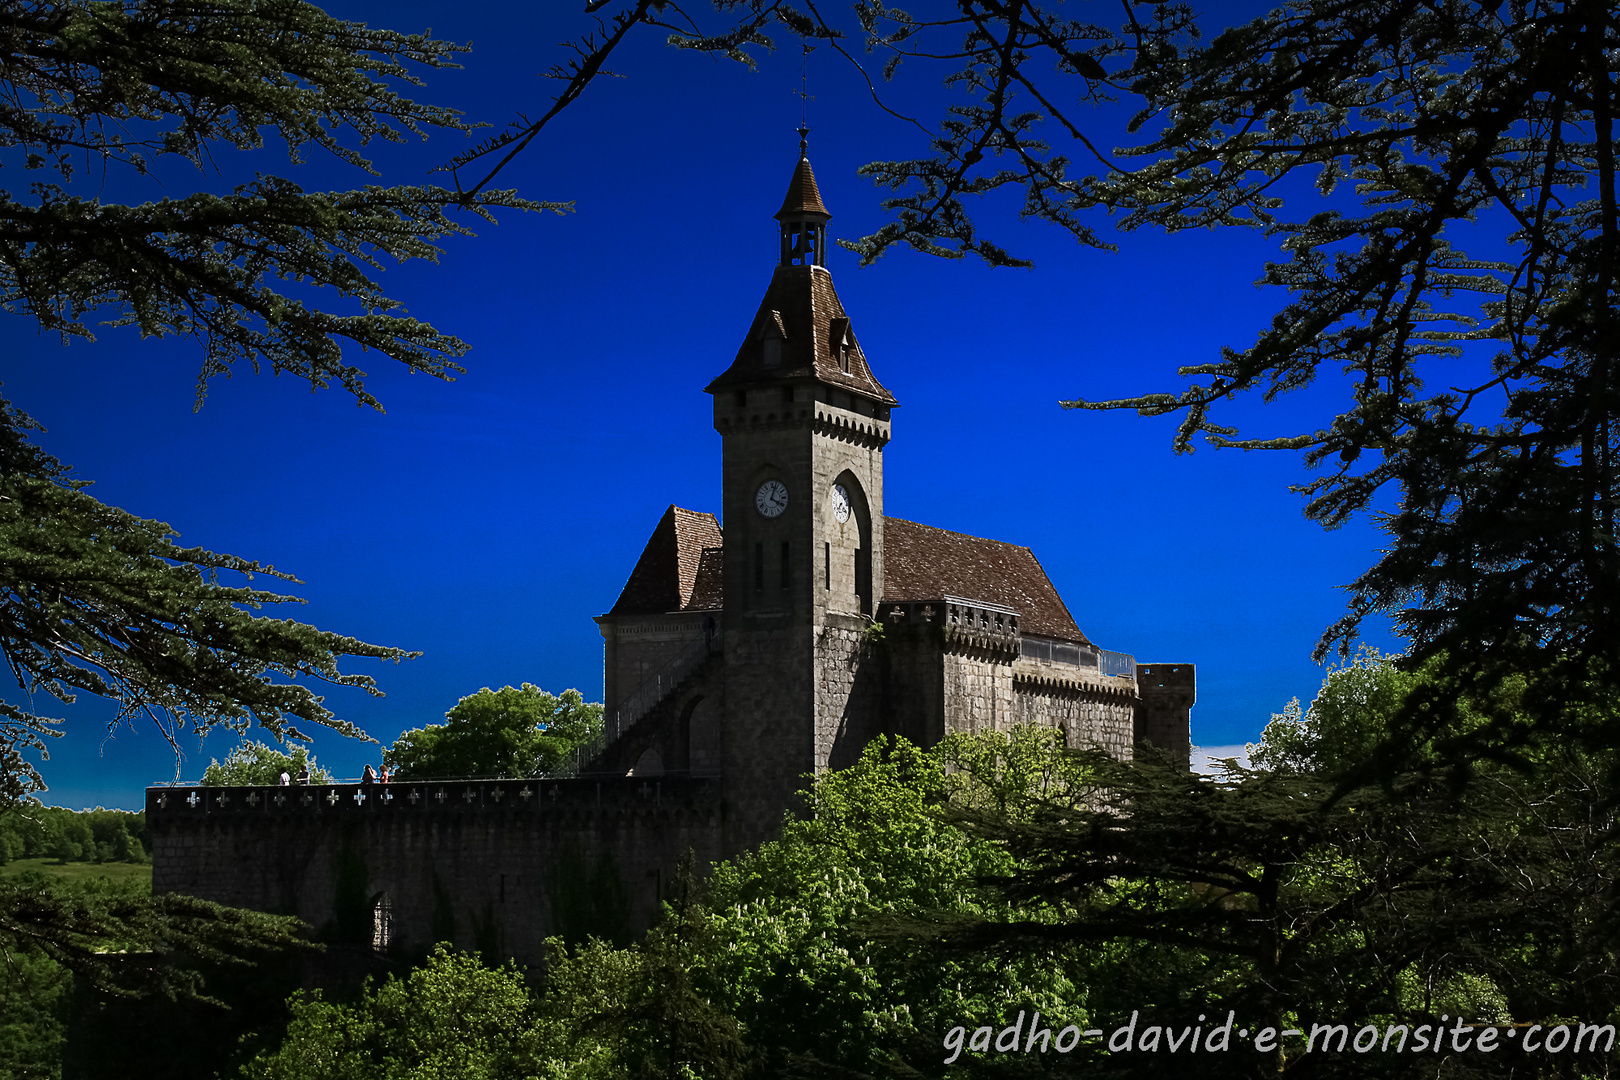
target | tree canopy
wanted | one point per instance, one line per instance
(513, 731)
(1440, 175)
(93, 599)
(254, 764)
(149, 82)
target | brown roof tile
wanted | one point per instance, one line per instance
(802, 306)
(709, 588)
(802, 194)
(921, 562)
(669, 567)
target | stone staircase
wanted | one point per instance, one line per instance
(636, 718)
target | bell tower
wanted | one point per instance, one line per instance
(803, 423)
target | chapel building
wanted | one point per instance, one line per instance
(781, 644)
(738, 660)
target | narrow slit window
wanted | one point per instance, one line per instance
(759, 567)
(786, 574)
(827, 564)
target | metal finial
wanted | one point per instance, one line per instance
(804, 95)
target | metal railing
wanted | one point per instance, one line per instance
(1116, 663)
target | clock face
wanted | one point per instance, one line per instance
(840, 503)
(771, 498)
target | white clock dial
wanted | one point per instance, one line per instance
(840, 499)
(771, 498)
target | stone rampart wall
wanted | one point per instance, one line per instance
(493, 865)
(1089, 711)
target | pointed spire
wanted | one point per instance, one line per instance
(803, 215)
(803, 196)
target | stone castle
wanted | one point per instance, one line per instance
(737, 661)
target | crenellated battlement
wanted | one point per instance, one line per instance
(534, 797)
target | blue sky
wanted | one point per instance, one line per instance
(486, 521)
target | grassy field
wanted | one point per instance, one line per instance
(79, 871)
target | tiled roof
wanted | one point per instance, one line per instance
(802, 194)
(921, 562)
(709, 590)
(802, 306)
(670, 564)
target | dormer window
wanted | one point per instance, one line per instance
(771, 339)
(843, 343)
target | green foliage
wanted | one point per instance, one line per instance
(1354, 730)
(203, 77)
(669, 1025)
(586, 987)
(807, 966)
(96, 600)
(1296, 889)
(252, 763)
(1457, 124)
(1346, 723)
(513, 731)
(92, 927)
(1442, 181)
(34, 999)
(136, 873)
(781, 961)
(1002, 873)
(93, 599)
(30, 831)
(452, 1016)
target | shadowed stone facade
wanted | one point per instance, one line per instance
(737, 661)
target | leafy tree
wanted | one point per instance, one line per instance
(455, 1016)
(1292, 891)
(201, 78)
(92, 598)
(31, 831)
(254, 763)
(34, 995)
(89, 928)
(513, 731)
(1346, 722)
(807, 966)
(1442, 179)
(1458, 123)
(669, 1026)
(768, 968)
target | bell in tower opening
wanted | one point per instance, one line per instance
(803, 217)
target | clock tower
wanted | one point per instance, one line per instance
(803, 423)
